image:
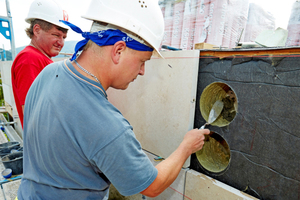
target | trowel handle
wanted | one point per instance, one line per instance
(202, 127)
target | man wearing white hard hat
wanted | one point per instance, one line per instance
(76, 143)
(47, 36)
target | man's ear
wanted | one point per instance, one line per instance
(36, 29)
(118, 48)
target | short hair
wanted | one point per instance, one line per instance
(92, 45)
(45, 26)
(88, 45)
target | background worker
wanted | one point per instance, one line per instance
(75, 141)
(47, 36)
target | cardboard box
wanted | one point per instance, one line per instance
(204, 45)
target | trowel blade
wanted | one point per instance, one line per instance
(215, 111)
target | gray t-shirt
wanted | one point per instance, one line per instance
(76, 142)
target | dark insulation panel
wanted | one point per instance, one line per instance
(264, 137)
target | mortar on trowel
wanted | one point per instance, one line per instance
(214, 113)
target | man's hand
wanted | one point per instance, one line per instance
(194, 139)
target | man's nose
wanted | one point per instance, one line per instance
(61, 41)
(142, 70)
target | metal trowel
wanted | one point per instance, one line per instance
(214, 113)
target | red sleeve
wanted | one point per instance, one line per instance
(25, 73)
(26, 67)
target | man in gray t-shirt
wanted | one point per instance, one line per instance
(75, 142)
(77, 146)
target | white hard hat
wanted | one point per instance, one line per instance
(141, 17)
(49, 11)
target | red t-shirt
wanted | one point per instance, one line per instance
(26, 67)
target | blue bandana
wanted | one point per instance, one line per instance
(105, 37)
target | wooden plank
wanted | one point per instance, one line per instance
(259, 52)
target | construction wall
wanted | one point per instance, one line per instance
(161, 108)
(262, 127)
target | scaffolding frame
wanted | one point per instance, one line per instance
(8, 32)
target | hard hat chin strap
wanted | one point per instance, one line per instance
(104, 38)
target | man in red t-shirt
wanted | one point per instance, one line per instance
(47, 36)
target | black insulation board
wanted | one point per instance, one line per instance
(264, 137)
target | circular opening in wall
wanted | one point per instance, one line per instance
(223, 92)
(215, 154)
